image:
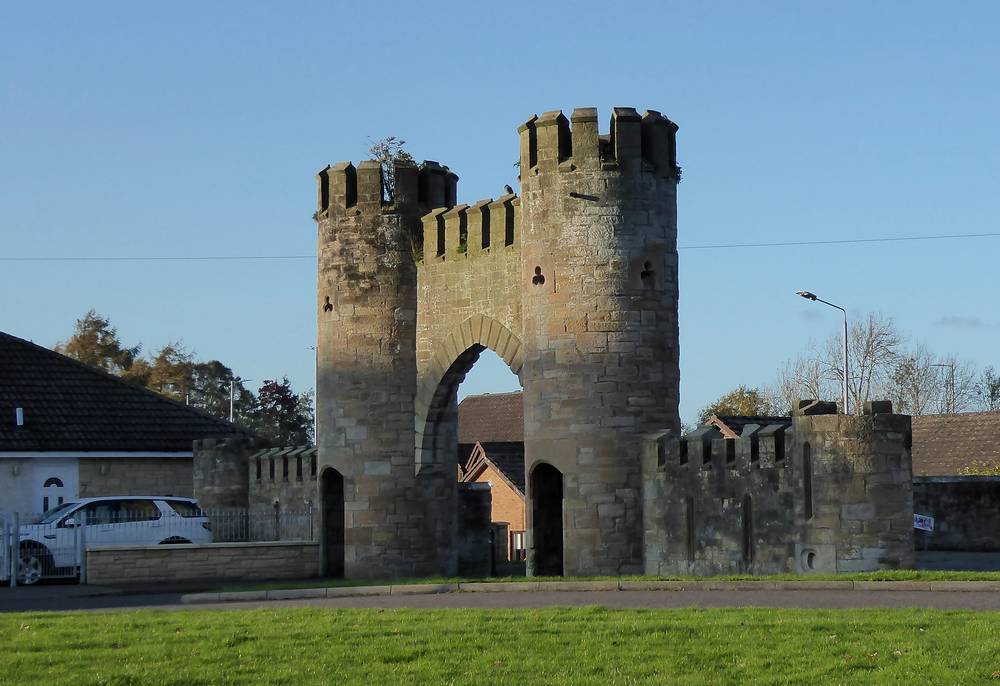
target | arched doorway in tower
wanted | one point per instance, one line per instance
(331, 493)
(546, 490)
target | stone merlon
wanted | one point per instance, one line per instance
(548, 142)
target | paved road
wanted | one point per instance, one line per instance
(63, 599)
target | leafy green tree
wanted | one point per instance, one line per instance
(170, 372)
(742, 401)
(282, 415)
(95, 342)
(210, 387)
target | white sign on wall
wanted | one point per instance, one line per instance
(923, 522)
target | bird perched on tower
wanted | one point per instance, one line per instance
(507, 189)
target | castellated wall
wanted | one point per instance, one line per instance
(468, 299)
(827, 493)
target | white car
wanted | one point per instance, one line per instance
(52, 546)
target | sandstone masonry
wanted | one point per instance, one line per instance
(574, 284)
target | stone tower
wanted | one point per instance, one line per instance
(573, 285)
(601, 363)
(379, 517)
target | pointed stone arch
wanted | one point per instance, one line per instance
(453, 356)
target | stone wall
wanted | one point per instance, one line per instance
(474, 555)
(136, 476)
(283, 480)
(966, 511)
(220, 471)
(827, 493)
(214, 561)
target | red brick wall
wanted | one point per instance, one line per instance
(508, 504)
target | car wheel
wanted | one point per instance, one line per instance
(174, 540)
(31, 566)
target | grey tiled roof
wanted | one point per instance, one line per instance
(69, 406)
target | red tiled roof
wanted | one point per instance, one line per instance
(491, 418)
(69, 406)
(944, 443)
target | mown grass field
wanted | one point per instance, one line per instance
(578, 646)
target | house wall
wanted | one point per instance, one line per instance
(15, 485)
(508, 504)
(22, 483)
(136, 476)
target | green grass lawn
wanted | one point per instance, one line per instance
(576, 646)
(884, 575)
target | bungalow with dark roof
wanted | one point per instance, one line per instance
(68, 431)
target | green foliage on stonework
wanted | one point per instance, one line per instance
(462, 248)
(981, 468)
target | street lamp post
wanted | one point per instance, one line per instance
(812, 296)
(232, 398)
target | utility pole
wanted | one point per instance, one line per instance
(232, 398)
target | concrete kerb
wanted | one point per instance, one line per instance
(577, 586)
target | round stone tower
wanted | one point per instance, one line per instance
(378, 518)
(601, 365)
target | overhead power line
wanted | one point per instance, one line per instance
(710, 246)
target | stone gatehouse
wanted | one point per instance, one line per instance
(573, 283)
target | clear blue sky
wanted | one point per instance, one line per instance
(137, 129)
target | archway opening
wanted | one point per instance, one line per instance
(491, 455)
(547, 520)
(472, 454)
(332, 524)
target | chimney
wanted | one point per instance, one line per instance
(19, 416)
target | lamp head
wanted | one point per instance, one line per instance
(806, 294)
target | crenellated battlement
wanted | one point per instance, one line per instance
(634, 143)
(343, 186)
(466, 231)
(759, 447)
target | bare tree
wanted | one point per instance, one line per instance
(916, 386)
(883, 365)
(387, 151)
(805, 377)
(987, 388)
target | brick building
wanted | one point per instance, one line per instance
(491, 451)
